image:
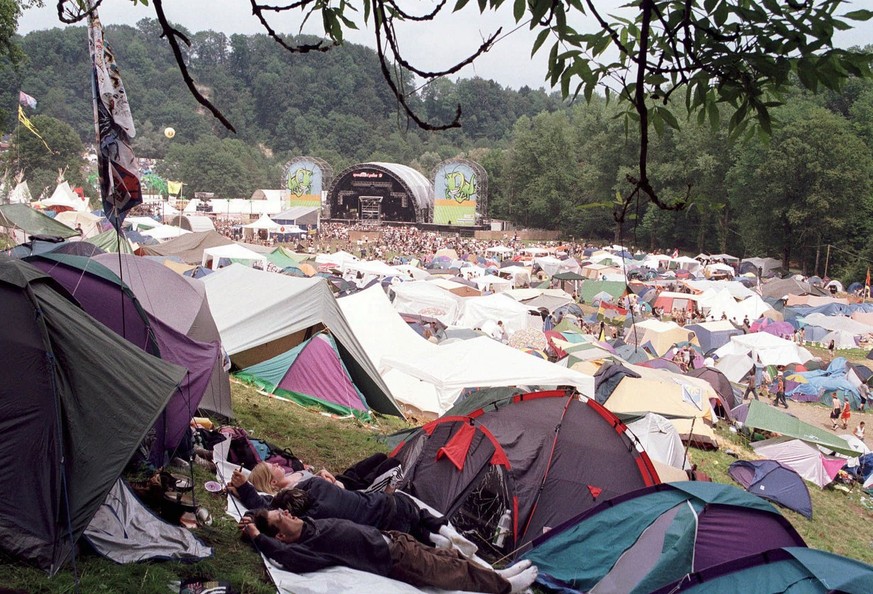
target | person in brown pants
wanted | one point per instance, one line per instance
(304, 545)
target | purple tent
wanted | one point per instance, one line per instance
(644, 540)
(772, 481)
(180, 302)
(102, 295)
(312, 373)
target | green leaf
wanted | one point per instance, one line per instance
(541, 38)
(669, 118)
(518, 9)
(859, 15)
(460, 4)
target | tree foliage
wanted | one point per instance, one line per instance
(735, 54)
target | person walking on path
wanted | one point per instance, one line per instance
(846, 414)
(835, 410)
(751, 387)
(780, 391)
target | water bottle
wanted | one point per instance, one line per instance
(504, 525)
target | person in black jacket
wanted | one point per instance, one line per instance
(319, 499)
(304, 545)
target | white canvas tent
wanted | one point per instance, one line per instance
(477, 310)
(261, 314)
(492, 283)
(164, 232)
(769, 349)
(430, 377)
(64, 196)
(20, 194)
(427, 299)
(89, 223)
(660, 440)
(231, 251)
(479, 363)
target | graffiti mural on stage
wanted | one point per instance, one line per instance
(306, 178)
(459, 188)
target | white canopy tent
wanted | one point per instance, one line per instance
(264, 222)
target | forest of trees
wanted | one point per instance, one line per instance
(551, 164)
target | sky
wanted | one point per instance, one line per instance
(430, 46)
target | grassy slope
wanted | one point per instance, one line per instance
(839, 524)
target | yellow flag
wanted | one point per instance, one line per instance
(174, 188)
(25, 121)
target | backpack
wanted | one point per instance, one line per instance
(284, 457)
(242, 451)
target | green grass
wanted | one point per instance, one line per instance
(841, 523)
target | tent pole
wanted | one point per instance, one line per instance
(690, 433)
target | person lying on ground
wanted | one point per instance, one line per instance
(318, 498)
(304, 545)
(270, 478)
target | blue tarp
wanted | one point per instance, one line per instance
(822, 383)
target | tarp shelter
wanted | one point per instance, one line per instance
(538, 458)
(180, 302)
(126, 531)
(312, 373)
(774, 482)
(233, 252)
(261, 314)
(32, 222)
(189, 248)
(821, 384)
(783, 570)
(65, 377)
(712, 335)
(768, 418)
(641, 541)
(590, 288)
(801, 457)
